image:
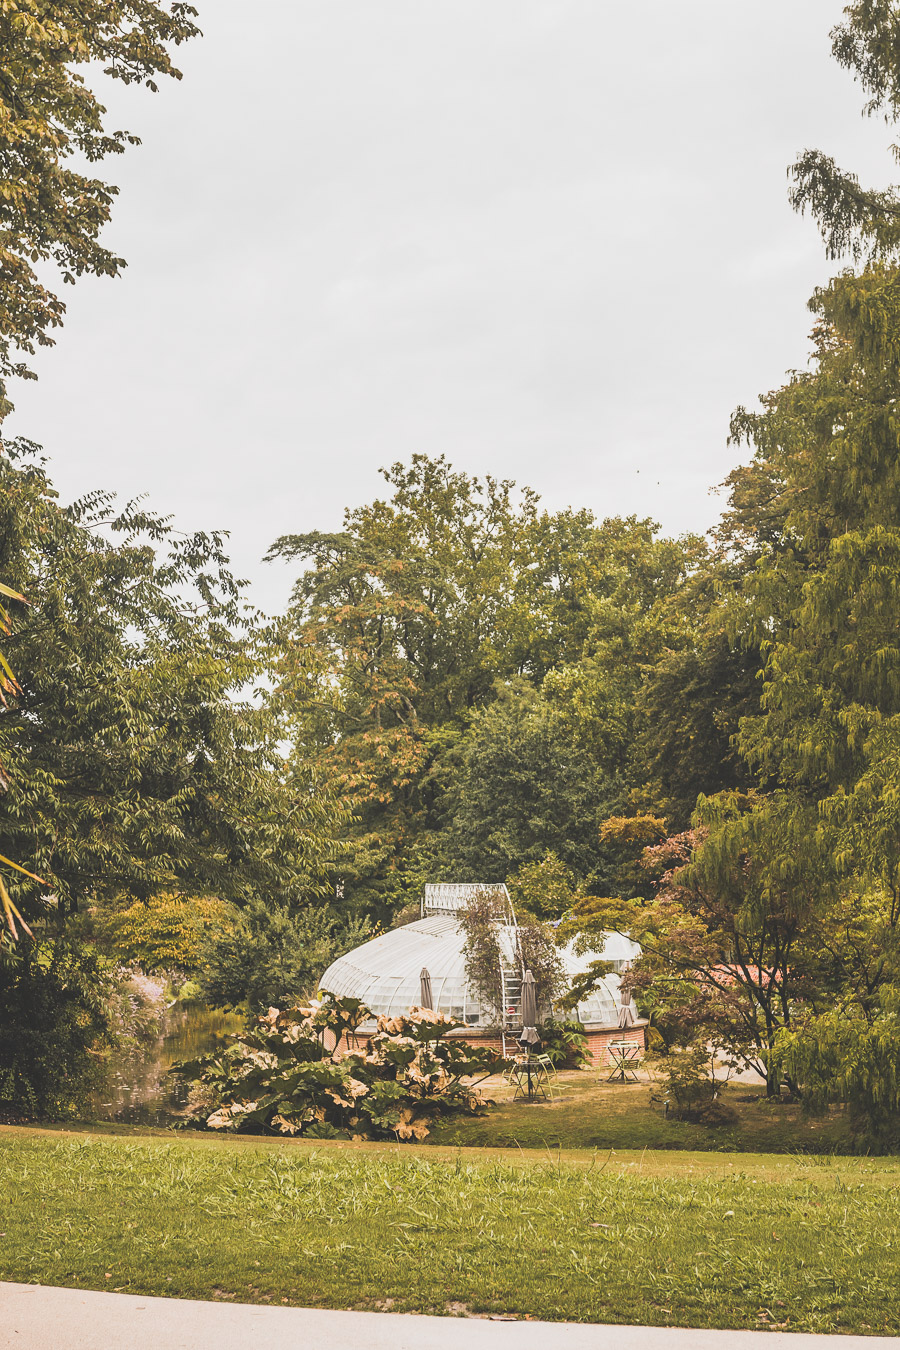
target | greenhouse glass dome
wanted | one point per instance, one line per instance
(384, 973)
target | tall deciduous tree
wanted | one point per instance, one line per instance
(521, 787)
(140, 759)
(630, 581)
(411, 621)
(397, 629)
(51, 120)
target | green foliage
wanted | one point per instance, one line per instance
(536, 950)
(164, 932)
(280, 1078)
(523, 788)
(463, 667)
(8, 682)
(632, 589)
(823, 606)
(58, 1002)
(689, 1075)
(265, 955)
(49, 117)
(843, 1056)
(546, 888)
(733, 935)
(697, 744)
(397, 628)
(481, 922)
(780, 904)
(11, 920)
(688, 713)
(852, 219)
(413, 597)
(826, 605)
(487, 951)
(140, 759)
(623, 840)
(565, 1043)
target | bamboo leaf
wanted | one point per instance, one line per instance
(7, 670)
(11, 913)
(8, 862)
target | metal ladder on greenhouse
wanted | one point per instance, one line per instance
(511, 992)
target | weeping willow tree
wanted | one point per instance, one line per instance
(844, 1057)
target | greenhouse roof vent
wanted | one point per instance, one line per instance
(448, 897)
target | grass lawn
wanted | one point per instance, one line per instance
(592, 1113)
(681, 1239)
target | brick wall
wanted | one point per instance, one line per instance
(598, 1040)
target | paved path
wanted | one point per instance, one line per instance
(34, 1317)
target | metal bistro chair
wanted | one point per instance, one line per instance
(533, 1076)
(550, 1076)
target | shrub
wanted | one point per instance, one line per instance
(58, 1000)
(280, 1078)
(272, 956)
(565, 1043)
(690, 1077)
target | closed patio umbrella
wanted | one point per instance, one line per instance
(626, 1015)
(426, 998)
(529, 1035)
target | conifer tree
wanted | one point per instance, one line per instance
(822, 602)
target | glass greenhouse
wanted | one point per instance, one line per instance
(384, 973)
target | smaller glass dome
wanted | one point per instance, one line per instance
(384, 972)
(603, 1005)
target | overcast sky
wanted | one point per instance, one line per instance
(547, 238)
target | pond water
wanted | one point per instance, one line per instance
(140, 1092)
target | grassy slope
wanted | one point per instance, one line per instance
(692, 1239)
(592, 1113)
